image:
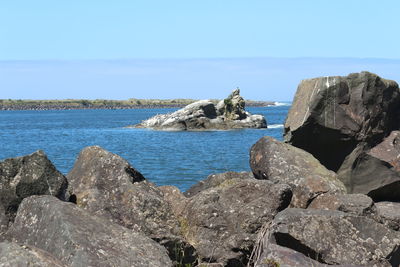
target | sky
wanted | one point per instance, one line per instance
(189, 49)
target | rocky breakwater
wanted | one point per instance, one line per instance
(204, 115)
(290, 210)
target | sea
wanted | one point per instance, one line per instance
(163, 157)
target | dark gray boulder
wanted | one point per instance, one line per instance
(222, 222)
(334, 237)
(78, 238)
(374, 171)
(389, 214)
(25, 176)
(204, 115)
(105, 184)
(214, 180)
(330, 116)
(13, 254)
(279, 162)
(357, 204)
(277, 256)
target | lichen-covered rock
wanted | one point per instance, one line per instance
(176, 200)
(105, 184)
(283, 163)
(233, 108)
(330, 116)
(277, 256)
(25, 176)
(389, 214)
(357, 204)
(215, 180)
(12, 255)
(222, 222)
(203, 115)
(375, 171)
(78, 238)
(334, 237)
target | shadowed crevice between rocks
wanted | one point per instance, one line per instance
(314, 137)
(285, 240)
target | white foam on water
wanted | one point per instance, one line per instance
(279, 104)
(275, 126)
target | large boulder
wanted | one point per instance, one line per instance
(25, 176)
(222, 222)
(276, 161)
(330, 116)
(357, 204)
(277, 256)
(13, 254)
(389, 214)
(375, 171)
(203, 115)
(335, 237)
(78, 238)
(215, 180)
(107, 185)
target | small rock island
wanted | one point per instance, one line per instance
(204, 115)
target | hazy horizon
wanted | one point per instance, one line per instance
(263, 78)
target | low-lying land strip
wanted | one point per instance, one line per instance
(132, 103)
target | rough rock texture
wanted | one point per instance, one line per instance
(330, 116)
(357, 204)
(105, 184)
(77, 238)
(215, 180)
(233, 106)
(389, 214)
(280, 162)
(3, 222)
(25, 176)
(175, 198)
(374, 171)
(222, 222)
(12, 255)
(203, 115)
(277, 256)
(388, 150)
(335, 237)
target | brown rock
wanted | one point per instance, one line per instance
(283, 163)
(222, 222)
(330, 116)
(77, 238)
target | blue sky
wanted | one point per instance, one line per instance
(189, 49)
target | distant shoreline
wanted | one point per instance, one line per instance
(79, 104)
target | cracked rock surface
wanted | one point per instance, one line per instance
(280, 162)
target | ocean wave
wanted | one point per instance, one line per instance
(279, 104)
(275, 126)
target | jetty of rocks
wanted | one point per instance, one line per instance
(327, 195)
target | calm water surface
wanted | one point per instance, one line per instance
(165, 158)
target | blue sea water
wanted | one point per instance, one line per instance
(165, 158)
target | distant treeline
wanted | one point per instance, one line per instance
(132, 103)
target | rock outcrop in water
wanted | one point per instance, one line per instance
(204, 115)
(289, 211)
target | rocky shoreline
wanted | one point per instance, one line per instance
(326, 196)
